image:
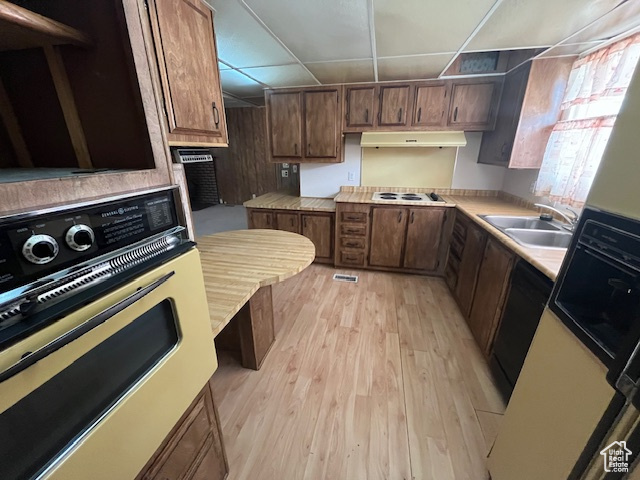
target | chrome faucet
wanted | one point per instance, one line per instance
(572, 220)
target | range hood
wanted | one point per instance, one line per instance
(413, 139)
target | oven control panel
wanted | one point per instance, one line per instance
(35, 245)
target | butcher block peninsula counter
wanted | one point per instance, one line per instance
(239, 268)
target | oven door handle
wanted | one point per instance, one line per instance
(31, 358)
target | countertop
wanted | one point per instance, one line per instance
(236, 264)
(285, 201)
(548, 261)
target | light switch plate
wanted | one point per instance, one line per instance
(351, 176)
(294, 168)
(285, 165)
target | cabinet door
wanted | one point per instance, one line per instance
(430, 106)
(360, 107)
(423, 238)
(262, 219)
(490, 293)
(285, 124)
(394, 102)
(469, 266)
(497, 145)
(188, 68)
(287, 222)
(473, 105)
(322, 127)
(387, 236)
(317, 228)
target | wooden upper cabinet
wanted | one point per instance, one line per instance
(474, 105)
(285, 124)
(529, 108)
(430, 105)
(360, 108)
(394, 103)
(387, 236)
(496, 145)
(188, 65)
(318, 229)
(424, 231)
(490, 293)
(322, 123)
(304, 125)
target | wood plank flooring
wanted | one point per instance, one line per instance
(375, 380)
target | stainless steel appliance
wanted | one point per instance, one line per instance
(104, 336)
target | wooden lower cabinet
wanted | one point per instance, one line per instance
(352, 234)
(261, 219)
(316, 226)
(319, 229)
(489, 297)
(424, 231)
(388, 233)
(470, 261)
(194, 449)
(288, 222)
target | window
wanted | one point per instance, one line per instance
(593, 97)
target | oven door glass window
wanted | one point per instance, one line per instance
(604, 298)
(40, 427)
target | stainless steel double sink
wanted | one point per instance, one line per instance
(531, 232)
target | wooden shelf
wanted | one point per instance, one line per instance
(21, 28)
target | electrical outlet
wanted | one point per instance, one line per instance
(351, 176)
(285, 173)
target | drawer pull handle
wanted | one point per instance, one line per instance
(351, 244)
(419, 114)
(455, 114)
(399, 217)
(400, 115)
(412, 214)
(216, 115)
(295, 149)
(366, 116)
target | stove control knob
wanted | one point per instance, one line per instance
(40, 249)
(79, 238)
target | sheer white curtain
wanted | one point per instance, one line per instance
(595, 91)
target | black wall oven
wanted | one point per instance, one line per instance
(597, 294)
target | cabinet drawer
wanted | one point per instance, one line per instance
(347, 242)
(191, 436)
(460, 230)
(358, 217)
(352, 258)
(360, 230)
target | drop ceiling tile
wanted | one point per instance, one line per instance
(281, 76)
(425, 26)
(518, 23)
(343, 72)
(239, 85)
(412, 68)
(569, 49)
(242, 41)
(617, 22)
(318, 30)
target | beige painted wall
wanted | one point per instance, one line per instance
(408, 167)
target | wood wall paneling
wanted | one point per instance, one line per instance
(243, 168)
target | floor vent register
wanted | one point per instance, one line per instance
(345, 278)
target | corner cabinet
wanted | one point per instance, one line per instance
(529, 108)
(304, 125)
(188, 65)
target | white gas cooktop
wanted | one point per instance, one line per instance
(401, 197)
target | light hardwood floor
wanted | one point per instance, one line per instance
(379, 379)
